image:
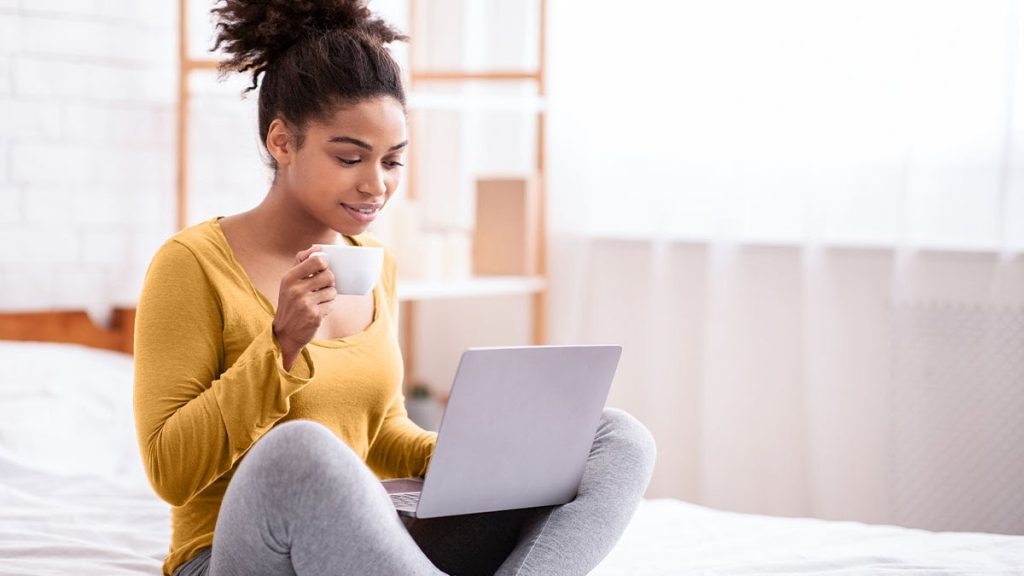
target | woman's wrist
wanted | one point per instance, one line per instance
(289, 352)
(288, 359)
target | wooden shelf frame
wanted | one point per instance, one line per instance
(470, 76)
(418, 76)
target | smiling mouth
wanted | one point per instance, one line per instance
(364, 213)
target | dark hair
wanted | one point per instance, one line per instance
(314, 55)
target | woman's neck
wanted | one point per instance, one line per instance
(283, 229)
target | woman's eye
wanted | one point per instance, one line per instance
(393, 164)
(347, 162)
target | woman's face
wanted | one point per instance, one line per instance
(349, 166)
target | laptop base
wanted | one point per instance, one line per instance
(405, 494)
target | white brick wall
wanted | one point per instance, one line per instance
(70, 79)
(63, 8)
(10, 34)
(226, 172)
(48, 204)
(5, 75)
(10, 204)
(90, 39)
(30, 121)
(87, 148)
(54, 162)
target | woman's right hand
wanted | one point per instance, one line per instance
(305, 298)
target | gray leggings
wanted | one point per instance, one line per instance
(302, 502)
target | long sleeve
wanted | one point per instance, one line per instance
(401, 449)
(194, 416)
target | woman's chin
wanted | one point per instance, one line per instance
(350, 229)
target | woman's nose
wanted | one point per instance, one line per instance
(373, 184)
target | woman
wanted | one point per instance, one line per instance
(268, 405)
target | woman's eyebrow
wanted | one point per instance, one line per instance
(364, 145)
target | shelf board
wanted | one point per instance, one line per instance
(199, 64)
(476, 75)
(480, 286)
(436, 101)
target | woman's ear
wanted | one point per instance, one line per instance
(280, 142)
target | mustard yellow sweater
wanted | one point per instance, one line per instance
(209, 382)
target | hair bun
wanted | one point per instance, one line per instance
(254, 32)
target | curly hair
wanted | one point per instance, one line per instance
(313, 56)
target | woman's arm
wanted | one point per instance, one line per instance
(195, 417)
(401, 449)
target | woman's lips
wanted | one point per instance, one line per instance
(363, 213)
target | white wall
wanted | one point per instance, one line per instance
(87, 92)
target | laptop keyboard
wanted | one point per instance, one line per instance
(405, 499)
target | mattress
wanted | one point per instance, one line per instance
(74, 499)
(671, 537)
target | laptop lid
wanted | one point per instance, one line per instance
(518, 428)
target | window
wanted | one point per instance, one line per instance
(845, 122)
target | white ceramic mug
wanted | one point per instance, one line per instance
(356, 269)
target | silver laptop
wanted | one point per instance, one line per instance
(516, 433)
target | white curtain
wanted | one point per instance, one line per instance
(804, 222)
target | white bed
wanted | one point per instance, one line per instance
(74, 500)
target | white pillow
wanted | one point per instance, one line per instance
(67, 409)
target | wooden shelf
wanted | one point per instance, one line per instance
(476, 287)
(199, 64)
(471, 75)
(422, 99)
(457, 102)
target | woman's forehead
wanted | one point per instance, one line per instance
(379, 121)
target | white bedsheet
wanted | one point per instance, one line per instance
(74, 499)
(674, 537)
(65, 525)
(94, 525)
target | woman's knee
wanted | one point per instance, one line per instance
(632, 439)
(299, 449)
(297, 431)
(297, 477)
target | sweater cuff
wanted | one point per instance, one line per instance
(432, 444)
(302, 370)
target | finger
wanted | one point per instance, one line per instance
(316, 281)
(301, 256)
(304, 270)
(325, 309)
(312, 265)
(321, 280)
(327, 294)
